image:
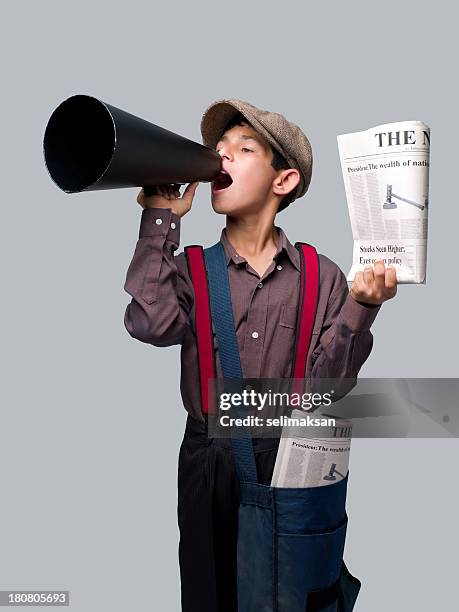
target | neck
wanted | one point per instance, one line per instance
(252, 236)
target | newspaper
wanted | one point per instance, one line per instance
(314, 460)
(386, 179)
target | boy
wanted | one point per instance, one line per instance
(266, 165)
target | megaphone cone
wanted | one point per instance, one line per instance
(89, 145)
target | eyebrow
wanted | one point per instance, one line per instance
(244, 137)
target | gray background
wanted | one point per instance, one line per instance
(92, 419)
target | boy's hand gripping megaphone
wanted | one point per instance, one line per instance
(89, 144)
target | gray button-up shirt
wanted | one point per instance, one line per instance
(162, 309)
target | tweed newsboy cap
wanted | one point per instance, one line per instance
(286, 137)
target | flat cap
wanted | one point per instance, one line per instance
(286, 137)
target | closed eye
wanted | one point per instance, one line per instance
(243, 149)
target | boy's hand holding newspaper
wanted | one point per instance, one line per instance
(375, 286)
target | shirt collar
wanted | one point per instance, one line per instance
(283, 244)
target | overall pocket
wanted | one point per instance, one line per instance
(306, 563)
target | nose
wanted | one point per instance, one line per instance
(225, 152)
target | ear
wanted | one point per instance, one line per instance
(286, 181)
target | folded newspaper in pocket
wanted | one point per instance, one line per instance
(319, 459)
(386, 180)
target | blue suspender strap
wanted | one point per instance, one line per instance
(222, 311)
(222, 314)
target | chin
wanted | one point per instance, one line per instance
(225, 206)
(218, 208)
(229, 204)
(231, 210)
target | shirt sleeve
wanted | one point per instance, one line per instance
(162, 297)
(345, 341)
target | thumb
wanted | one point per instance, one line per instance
(189, 192)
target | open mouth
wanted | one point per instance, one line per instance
(223, 181)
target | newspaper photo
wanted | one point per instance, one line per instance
(314, 460)
(386, 180)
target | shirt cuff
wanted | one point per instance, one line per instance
(357, 316)
(160, 222)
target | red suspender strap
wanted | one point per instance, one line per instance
(197, 269)
(308, 300)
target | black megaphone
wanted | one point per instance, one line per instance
(90, 145)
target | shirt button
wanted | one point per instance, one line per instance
(159, 221)
(254, 334)
(260, 285)
(279, 267)
(173, 225)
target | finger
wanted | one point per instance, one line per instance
(357, 288)
(391, 278)
(379, 275)
(191, 187)
(189, 192)
(141, 197)
(368, 276)
(171, 193)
